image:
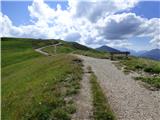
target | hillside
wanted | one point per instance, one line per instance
(35, 86)
(75, 48)
(32, 83)
(107, 49)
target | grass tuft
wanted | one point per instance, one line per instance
(101, 108)
(153, 81)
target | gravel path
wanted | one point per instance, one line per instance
(40, 50)
(128, 99)
(84, 99)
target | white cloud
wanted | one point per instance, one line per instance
(123, 26)
(95, 9)
(7, 28)
(90, 23)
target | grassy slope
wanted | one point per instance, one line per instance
(34, 86)
(134, 63)
(151, 67)
(72, 47)
(14, 50)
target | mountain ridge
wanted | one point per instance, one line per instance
(107, 49)
(152, 54)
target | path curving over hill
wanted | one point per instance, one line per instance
(128, 99)
(40, 50)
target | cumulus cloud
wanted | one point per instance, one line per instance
(7, 28)
(90, 23)
(122, 26)
(93, 10)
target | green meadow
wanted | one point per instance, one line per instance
(35, 86)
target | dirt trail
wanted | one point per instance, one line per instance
(40, 50)
(84, 99)
(128, 99)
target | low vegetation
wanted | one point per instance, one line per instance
(95, 54)
(147, 65)
(101, 108)
(15, 50)
(75, 48)
(36, 86)
(148, 69)
(153, 81)
(37, 43)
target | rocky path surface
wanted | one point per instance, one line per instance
(128, 99)
(84, 99)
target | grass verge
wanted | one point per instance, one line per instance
(149, 70)
(93, 53)
(101, 108)
(153, 81)
(137, 64)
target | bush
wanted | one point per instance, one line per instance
(70, 108)
(148, 69)
(152, 69)
(59, 114)
(139, 67)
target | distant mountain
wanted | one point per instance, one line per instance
(107, 49)
(132, 52)
(152, 54)
(139, 53)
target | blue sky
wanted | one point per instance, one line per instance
(19, 14)
(147, 9)
(18, 11)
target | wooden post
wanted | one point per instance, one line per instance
(127, 54)
(111, 56)
(55, 51)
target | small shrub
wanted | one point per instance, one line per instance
(148, 69)
(70, 108)
(139, 67)
(77, 61)
(126, 71)
(156, 69)
(59, 114)
(153, 81)
(71, 91)
(89, 69)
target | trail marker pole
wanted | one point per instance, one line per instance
(55, 49)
